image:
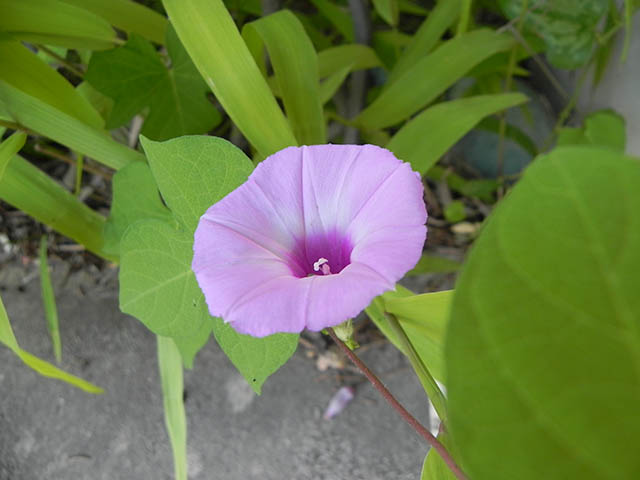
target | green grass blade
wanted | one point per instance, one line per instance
(425, 138)
(46, 120)
(431, 76)
(129, 16)
(49, 301)
(23, 69)
(295, 64)
(8, 338)
(357, 57)
(214, 44)
(330, 86)
(339, 17)
(9, 148)
(427, 36)
(53, 22)
(29, 189)
(170, 364)
(388, 10)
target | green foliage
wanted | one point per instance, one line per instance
(39, 116)
(45, 369)
(431, 76)
(338, 16)
(428, 136)
(22, 69)
(455, 212)
(175, 419)
(55, 22)
(388, 10)
(434, 264)
(135, 77)
(568, 27)
(434, 467)
(542, 348)
(135, 197)
(127, 15)
(295, 65)
(214, 44)
(157, 284)
(424, 319)
(49, 301)
(31, 190)
(605, 128)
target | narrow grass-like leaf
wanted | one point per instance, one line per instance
(295, 65)
(431, 76)
(49, 301)
(330, 86)
(213, 42)
(170, 365)
(340, 19)
(9, 148)
(54, 22)
(512, 132)
(425, 328)
(354, 56)
(427, 36)
(129, 16)
(388, 10)
(45, 369)
(46, 120)
(29, 189)
(425, 138)
(24, 70)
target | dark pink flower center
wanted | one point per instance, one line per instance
(324, 254)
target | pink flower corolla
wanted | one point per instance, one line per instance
(313, 235)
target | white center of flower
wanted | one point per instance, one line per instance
(322, 264)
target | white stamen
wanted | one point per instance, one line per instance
(319, 263)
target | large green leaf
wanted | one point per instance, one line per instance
(54, 22)
(194, 172)
(24, 70)
(295, 65)
(157, 284)
(431, 76)
(568, 27)
(129, 16)
(46, 120)
(214, 44)
(135, 197)
(45, 369)
(543, 349)
(158, 287)
(428, 136)
(134, 76)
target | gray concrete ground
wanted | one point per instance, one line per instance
(51, 431)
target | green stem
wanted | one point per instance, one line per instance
(426, 379)
(63, 61)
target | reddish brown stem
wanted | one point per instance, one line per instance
(410, 419)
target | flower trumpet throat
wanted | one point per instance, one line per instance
(313, 235)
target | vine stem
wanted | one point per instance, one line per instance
(410, 419)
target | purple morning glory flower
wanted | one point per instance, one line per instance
(312, 236)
